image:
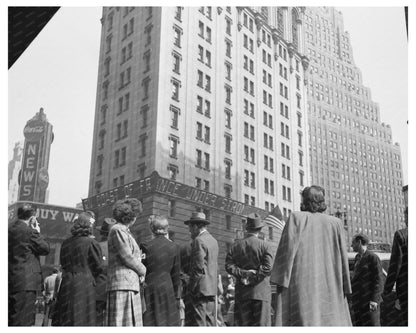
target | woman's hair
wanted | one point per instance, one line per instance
(126, 210)
(82, 225)
(313, 199)
(158, 224)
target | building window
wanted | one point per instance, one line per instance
(228, 164)
(98, 185)
(300, 158)
(301, 178)
(199, 102)
(246, 178)
(173, 147)
(252, 180)
(144, 111)
(208, 58)
(228, 71)
(105, 90)
(123, 156)
(145, 84)
(228, 139)
(108, 43)
(199, 131)
(200, 78)
(208, 83)
(228, 222)
(177, 32)
(206, 185)
(207, 108)
(142, 141)
(173, 171)
(227, 190)
(208, 38)
(107, 66)
(171, 208)
(146, 58)
(100, 159)
(176, 63)
(178, 13)
(228, 115)
(141, 170)
(300, 139)
(117, 158)
(227, 26)
(198, 182)
(174, 113)
(200, 53)
(207, 135)
(206, 161)
(298, 101)
(101, 139)
(228, 48)
(228, 91)
(115, 182)
(175, 89)
(199, 158)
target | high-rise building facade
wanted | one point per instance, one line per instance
(14, 167)
(212, 97)
(352, 154)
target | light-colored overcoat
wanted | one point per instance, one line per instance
(311, 265)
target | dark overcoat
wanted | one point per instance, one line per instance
(367, 285)
(398, 266)
(162, 260)
(25, 246)
(82, 264)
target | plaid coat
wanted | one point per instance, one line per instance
(124, 260)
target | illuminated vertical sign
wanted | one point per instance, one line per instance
(34, 132)
(28, 175)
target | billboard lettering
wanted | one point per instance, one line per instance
(156, 184)
(28, 174)
(54, 221)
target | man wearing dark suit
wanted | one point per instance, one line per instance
(366, 283)
(250, 260)
(203, 272)
(25, 275)
(398, 270)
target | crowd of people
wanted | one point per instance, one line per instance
(118, 282)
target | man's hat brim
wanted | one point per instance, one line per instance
(197, 221)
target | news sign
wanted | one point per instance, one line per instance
(29, 172)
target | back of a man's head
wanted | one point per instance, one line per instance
(25, 212)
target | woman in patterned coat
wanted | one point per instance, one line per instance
(125, 270)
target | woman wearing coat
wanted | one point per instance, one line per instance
(125, 270)
(162, 259)
(81, 262)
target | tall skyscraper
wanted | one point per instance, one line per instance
(212, 97)
(352, 154)
(34, 177)
(14, 167)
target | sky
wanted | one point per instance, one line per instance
(59, 70)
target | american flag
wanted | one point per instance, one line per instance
(275, 218)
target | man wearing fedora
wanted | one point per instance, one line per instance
(202, 272)
(250, 260)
